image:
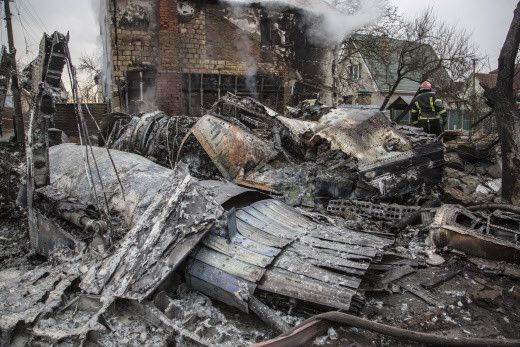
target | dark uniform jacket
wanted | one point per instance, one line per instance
(426, 107)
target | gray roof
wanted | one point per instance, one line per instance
(383, 73)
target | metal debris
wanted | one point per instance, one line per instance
(272, 247)
(261, 244)
(493, 235)
(390, 212)
(27, 295)
(346, 152)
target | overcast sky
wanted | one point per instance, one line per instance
(488, 20)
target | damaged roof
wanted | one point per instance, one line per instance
(384, 74)
(312, 6)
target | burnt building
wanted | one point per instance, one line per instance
(181, 56)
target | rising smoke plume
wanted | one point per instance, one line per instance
(100, 9)
(330, 23)
(244, 46)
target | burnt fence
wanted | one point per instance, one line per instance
(65, 118)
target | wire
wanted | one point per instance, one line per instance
(108, 151)
(2, 27)
(82, 125)
(35, 14)
(26, 32)
(31, 12)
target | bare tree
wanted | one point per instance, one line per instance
(89, 67)
(419, 49)
(364, 40)
(502, 99)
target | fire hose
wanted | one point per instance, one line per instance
(290, 338)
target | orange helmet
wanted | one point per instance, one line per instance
(426, 85)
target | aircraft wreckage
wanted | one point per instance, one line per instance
(237, 245)
(344, 152)
(213, 208)
(209, 203)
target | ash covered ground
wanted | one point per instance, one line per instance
(15, 248)
(471, 301)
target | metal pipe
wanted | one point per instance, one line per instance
(505, 207)
(397, 333)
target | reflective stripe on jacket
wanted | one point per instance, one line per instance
(426, 106)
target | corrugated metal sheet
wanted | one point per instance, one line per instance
(273, 246)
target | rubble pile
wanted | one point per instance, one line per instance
(14, 244)
(185, 232)
(324, 153)
(470, 181)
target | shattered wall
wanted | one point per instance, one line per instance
(130, 28)
(194, 52)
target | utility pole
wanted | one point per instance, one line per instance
(19, 131)
(474, 77)
(474, 112)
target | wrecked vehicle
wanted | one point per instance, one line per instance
(349, 152)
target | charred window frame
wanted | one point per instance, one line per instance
(354, 71)
(266, 26)
(201, 91)
(140, 88)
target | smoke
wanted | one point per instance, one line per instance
(244, 47)
(100, 9)
(328, 23)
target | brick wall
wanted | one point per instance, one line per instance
(169, 78)
(200, 42)
(134, 45)
(209, 43)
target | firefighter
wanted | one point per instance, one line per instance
(428, 111)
